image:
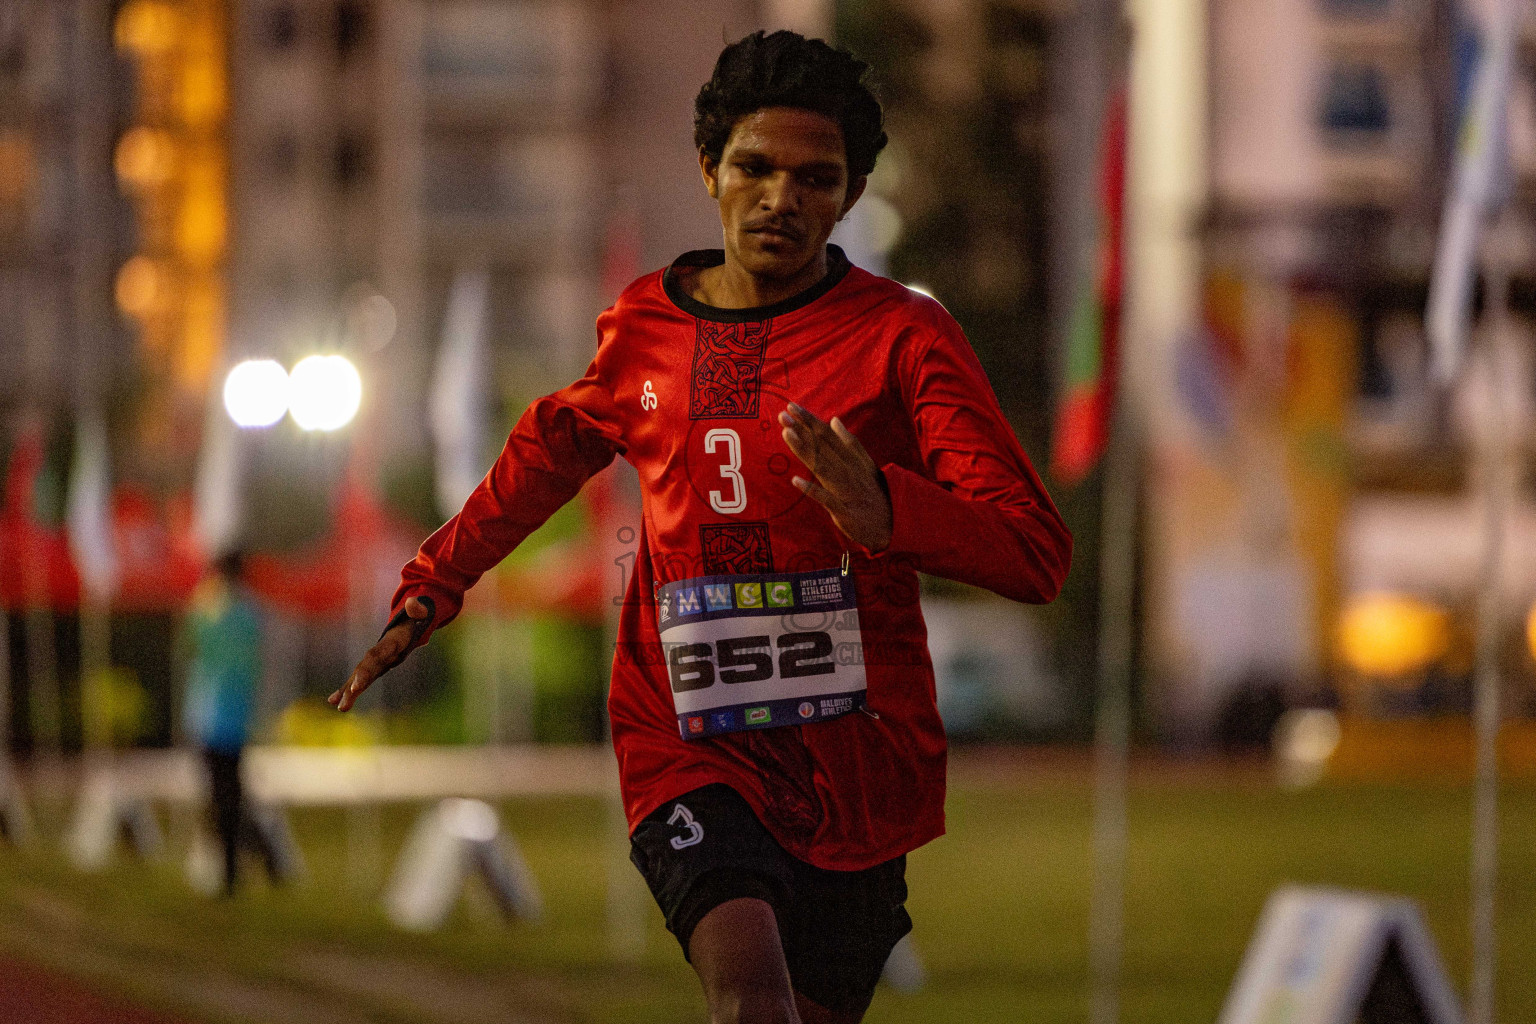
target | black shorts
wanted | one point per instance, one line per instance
(837, 927)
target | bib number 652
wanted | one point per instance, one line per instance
(749, 659)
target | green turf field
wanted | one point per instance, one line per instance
(1000, 908)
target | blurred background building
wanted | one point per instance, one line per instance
(1307, 474)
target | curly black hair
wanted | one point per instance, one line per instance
(786, 69)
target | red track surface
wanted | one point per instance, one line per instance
(31, 995)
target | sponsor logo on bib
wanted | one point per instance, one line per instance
(749, 595)
(807, 709)
(780, 594)
(837, 706)
(696, 725)
(688, 601)
(758, 716)
(717, 596)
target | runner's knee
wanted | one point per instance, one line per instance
(735, 950)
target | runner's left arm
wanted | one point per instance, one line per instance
(977, 512)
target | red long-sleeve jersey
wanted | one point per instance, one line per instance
(690, 395)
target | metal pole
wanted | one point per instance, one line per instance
(92, 287)
(1105, 40)
(1485, 708)
(1117, 573)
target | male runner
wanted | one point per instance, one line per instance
(779, 746)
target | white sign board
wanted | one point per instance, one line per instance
(1328, 956)
(452, 839)
(102, 817)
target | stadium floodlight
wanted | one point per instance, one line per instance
(256, 393)
(325, 392)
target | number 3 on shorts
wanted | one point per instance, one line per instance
(693, 831)
(730, 470)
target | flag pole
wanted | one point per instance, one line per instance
(1480, 188)
(88, 516)
(1112, 730)
(1108, 33)
(1493, 451)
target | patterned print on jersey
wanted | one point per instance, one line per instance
(732, 548)
(727, 369)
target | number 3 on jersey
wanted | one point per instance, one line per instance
(729, 470)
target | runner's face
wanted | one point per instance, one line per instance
(782, 184)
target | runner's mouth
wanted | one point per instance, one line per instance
(774, 234)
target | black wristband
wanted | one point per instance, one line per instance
(418, 626)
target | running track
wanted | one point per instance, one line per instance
(32, 995)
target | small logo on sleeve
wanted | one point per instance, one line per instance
(648, 398)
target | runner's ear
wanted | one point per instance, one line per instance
(709, 167)
(855, 190)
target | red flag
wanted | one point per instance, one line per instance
(1087, 397)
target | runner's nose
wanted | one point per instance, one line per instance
(780, 194)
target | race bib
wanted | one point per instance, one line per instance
(758, 651)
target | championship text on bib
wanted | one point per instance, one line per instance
(758, 651)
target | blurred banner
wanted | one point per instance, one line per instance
(1253, 496)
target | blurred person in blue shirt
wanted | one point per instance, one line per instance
(223, 635)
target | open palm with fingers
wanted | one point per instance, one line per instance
(844, 479)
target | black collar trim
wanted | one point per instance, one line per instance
(837, 268)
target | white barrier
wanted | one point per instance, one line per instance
(341, 776)
(105, 815)
(452, 840)
(1327, 956)
(904, 970)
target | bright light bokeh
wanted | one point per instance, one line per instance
(324, 392)
(1304, 739)
(140, 287)
(256, 393)
(1388, 635)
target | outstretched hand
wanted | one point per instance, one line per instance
(844, 479)
(391, 649)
